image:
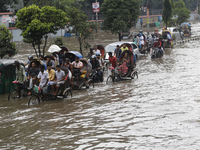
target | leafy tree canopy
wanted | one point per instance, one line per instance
(120, 15)
(167, 11)
(83, 28)
(182, 13)
(5, 41)
(36, 24)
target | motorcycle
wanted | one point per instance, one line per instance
(156, 53)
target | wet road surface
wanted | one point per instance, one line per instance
(159, 110)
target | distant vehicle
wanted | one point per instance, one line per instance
(175, 32)
(111, 48)
(186, 29)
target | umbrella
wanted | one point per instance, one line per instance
(54, 48)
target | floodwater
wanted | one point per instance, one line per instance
(159, 110)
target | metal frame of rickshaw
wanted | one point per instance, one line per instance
(131, 72)
(102, 51)
(64, 91)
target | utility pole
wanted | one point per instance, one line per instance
(148, 17)
(97, 20)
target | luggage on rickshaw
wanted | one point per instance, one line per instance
(186, 29)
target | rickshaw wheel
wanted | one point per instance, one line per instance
(81, 82)
(13, 95)
(90, 82)
(66, 93)
(110, 79)
(34, 100)
(134, 74)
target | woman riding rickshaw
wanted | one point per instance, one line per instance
(186, 29)
(167, 39)
(127, 64)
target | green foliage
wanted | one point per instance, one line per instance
(36, 24)
(167, 11)
(83, 28)
(120, 15)
(172, 22)
(153, 4)
(59, 41)
(182, 13)
(5, 41)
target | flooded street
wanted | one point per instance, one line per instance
(159, 110)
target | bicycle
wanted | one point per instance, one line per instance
(13, 94)
(113, 77)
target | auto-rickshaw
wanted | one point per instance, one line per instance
(167, 43)
(7, 75)
(186, 29)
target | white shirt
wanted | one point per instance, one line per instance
(44, 77)
(168, 37)
(96, 51)
(101, 61)
(142, 40)
(60, 75)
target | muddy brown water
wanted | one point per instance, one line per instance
(159, 110)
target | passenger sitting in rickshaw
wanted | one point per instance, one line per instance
(20, 76)
(63, 61)
(117, 52)
(43, 62)
(96, 66)
(44, 76)
(77, 66)
(51, 73)
(95, 51)
(32, 75)
(60, 79)
(68, 64)
(123, 68)
(49, 60)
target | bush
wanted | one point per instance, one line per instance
(59, 41)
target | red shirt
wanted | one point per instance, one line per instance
(113, 61)
(157, 44)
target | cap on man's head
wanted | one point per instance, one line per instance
(58, 66)
(16, 62)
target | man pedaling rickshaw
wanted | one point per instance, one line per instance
(96, 66)
(158, 45)
(77, 66)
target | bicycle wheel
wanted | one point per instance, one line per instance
(67, 92)
(13, 95)
(109, 80)
(34, 100)
(134, 74)
(90, 82)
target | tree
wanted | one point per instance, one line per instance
(82, 27)
(182, 13)
(5, 41)
(3, 4)
(167, 11)
(36, 24)
(120, 15)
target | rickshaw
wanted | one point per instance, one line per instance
(64, 49)
(84, 77)
(7, 75)
(166, 42)
(116, 75)
(186, 29)
(72, 54)
(65, 90)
